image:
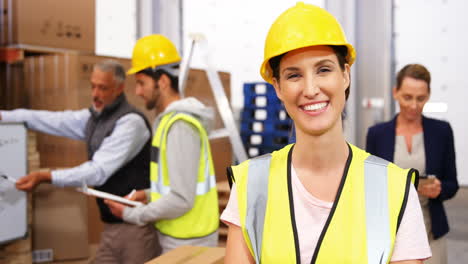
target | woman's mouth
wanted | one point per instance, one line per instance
(315, 107)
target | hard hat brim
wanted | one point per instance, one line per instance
(134, 70)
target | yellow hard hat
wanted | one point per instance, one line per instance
(153, 51)
(300, 26)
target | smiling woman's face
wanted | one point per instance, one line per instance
(312, 87)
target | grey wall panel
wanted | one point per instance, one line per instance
(374, 64)
(345, 12)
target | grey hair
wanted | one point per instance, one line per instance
(113, 66)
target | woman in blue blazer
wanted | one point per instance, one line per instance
(413, 140)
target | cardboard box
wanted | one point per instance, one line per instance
(16, 258)
(221, 151)
(191, 255)
(48, 23)
(12, 93)
(60, 223)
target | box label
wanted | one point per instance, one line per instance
(42, 255)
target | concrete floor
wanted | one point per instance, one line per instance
(457, 212)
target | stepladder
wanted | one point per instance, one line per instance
(230, 130)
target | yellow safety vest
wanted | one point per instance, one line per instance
(362, 224)
(203, 218)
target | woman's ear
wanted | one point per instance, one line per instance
(395, 93)
(346, 76)
(277, 88)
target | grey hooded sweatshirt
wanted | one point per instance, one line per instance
(183, 153)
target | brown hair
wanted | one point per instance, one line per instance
(416, 71)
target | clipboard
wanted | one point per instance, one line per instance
(108, 196)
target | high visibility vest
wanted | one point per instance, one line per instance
(362, 224)
(203, 218)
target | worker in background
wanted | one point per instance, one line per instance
(182, 202)
(118, 139)
(411, 139)
(320, 200)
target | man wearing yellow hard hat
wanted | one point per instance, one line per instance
(182, 202)
(320, 200)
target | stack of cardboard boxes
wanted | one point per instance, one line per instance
(48, 24)
(46, 58)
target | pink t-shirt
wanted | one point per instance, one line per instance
(311, 214)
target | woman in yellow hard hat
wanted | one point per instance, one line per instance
(321, 200)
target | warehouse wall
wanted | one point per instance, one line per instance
(116, 27)
(345, 12)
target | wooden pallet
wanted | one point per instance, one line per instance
(11, 55)
(16, 53)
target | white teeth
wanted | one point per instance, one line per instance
(315, 107)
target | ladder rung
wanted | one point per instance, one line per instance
(219, 133)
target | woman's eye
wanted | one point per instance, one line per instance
(324, 69)
(293, 75)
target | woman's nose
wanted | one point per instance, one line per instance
(311, 88)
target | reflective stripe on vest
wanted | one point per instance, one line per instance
(202, 187)
(378, 225)
(257, 193)
(379, 237)
(203, 218)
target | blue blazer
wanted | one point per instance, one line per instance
(440, 161)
